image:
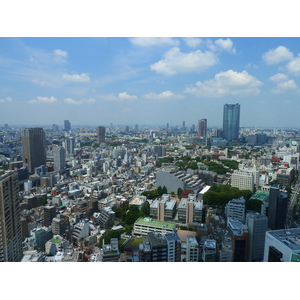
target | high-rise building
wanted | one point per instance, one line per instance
(10, 220)
(235, 209)
(192, 249)
(231, 121)
(202, 127)
(49, 214)
(257, 227)
(67, 125)
(59, 158)
(101, 134)
(277, 210)
(54, 127)
(33, 148)
(183, 125)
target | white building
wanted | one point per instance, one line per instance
(235, 209)
(192, 249)
(243, 180)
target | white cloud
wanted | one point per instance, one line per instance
(175, 61)
(43, 100)
(79, 102)
(6, 99)
(193, 42)
(226, 45)
(227, 83)
(125, 96)
(279, 77)
(83, 77)
(294, 65)
(60, 53)
(277, 55)
(153, 41)
(283, 84)
(163, 95)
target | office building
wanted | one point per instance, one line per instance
(282, 245)
(192, 249)
(235, 209)
(110, 252)
(59, 158)
(239, 238)
(101, 134)
(231, 122)
(10, 220)
(33, 148)
(59, 225)
(190, 210)
(163, 209)
(277, 210)
(49, 214)
(202, 127)
(243, 180)
(67, 125)
(144, 225)
(173, 246)
(257, 227)
(209, 251)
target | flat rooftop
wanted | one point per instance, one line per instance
(154, 223)
(290, 237)
(260, 195)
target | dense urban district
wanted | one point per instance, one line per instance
(121, 193)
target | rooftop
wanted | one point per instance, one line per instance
(290, 237)
(260, 195)
(154, 223)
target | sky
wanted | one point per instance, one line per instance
(155, 81)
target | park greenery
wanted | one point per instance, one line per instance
(219, 195)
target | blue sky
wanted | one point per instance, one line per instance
(95, 81)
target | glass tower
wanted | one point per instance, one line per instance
(231, 121)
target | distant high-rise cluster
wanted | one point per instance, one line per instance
(33, 148)
(231, 122)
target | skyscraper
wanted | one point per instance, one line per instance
(59, 158)
(277, 210)
(10, 220)
(231, 121)
(33, 148)
(202, 127)
(67, 125)
(101, 134)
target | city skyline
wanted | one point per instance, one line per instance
(149, 80)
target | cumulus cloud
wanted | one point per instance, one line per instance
(79, 102)
(227, 83)
(221, 45)
(60, 55)
(193, 42)
(153, 41)
(293, 66)
(48, 100)
(163, 95)
(283, 84)
(277, 55)
(175, 62)
(125, 96)
(83, 77)
(6, 99)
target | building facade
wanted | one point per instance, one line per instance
(231, 122)
(101, 134)
(10, 220)
(33, 148)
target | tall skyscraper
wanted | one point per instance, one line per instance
(59, 158)
(202, 127)
(277, 210)
(183, 125)
(231, 121)
(10, 220)
(67, 125)
(33, 148)
(101, 134)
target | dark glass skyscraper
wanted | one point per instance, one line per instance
(231, 121)
(33, 148)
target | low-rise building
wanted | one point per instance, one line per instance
(144, 225)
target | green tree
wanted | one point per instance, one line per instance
(145, 210)
(159, 191)
(164, 190)
(179, 192)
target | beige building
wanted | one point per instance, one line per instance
(243, 180)
(10, 221)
